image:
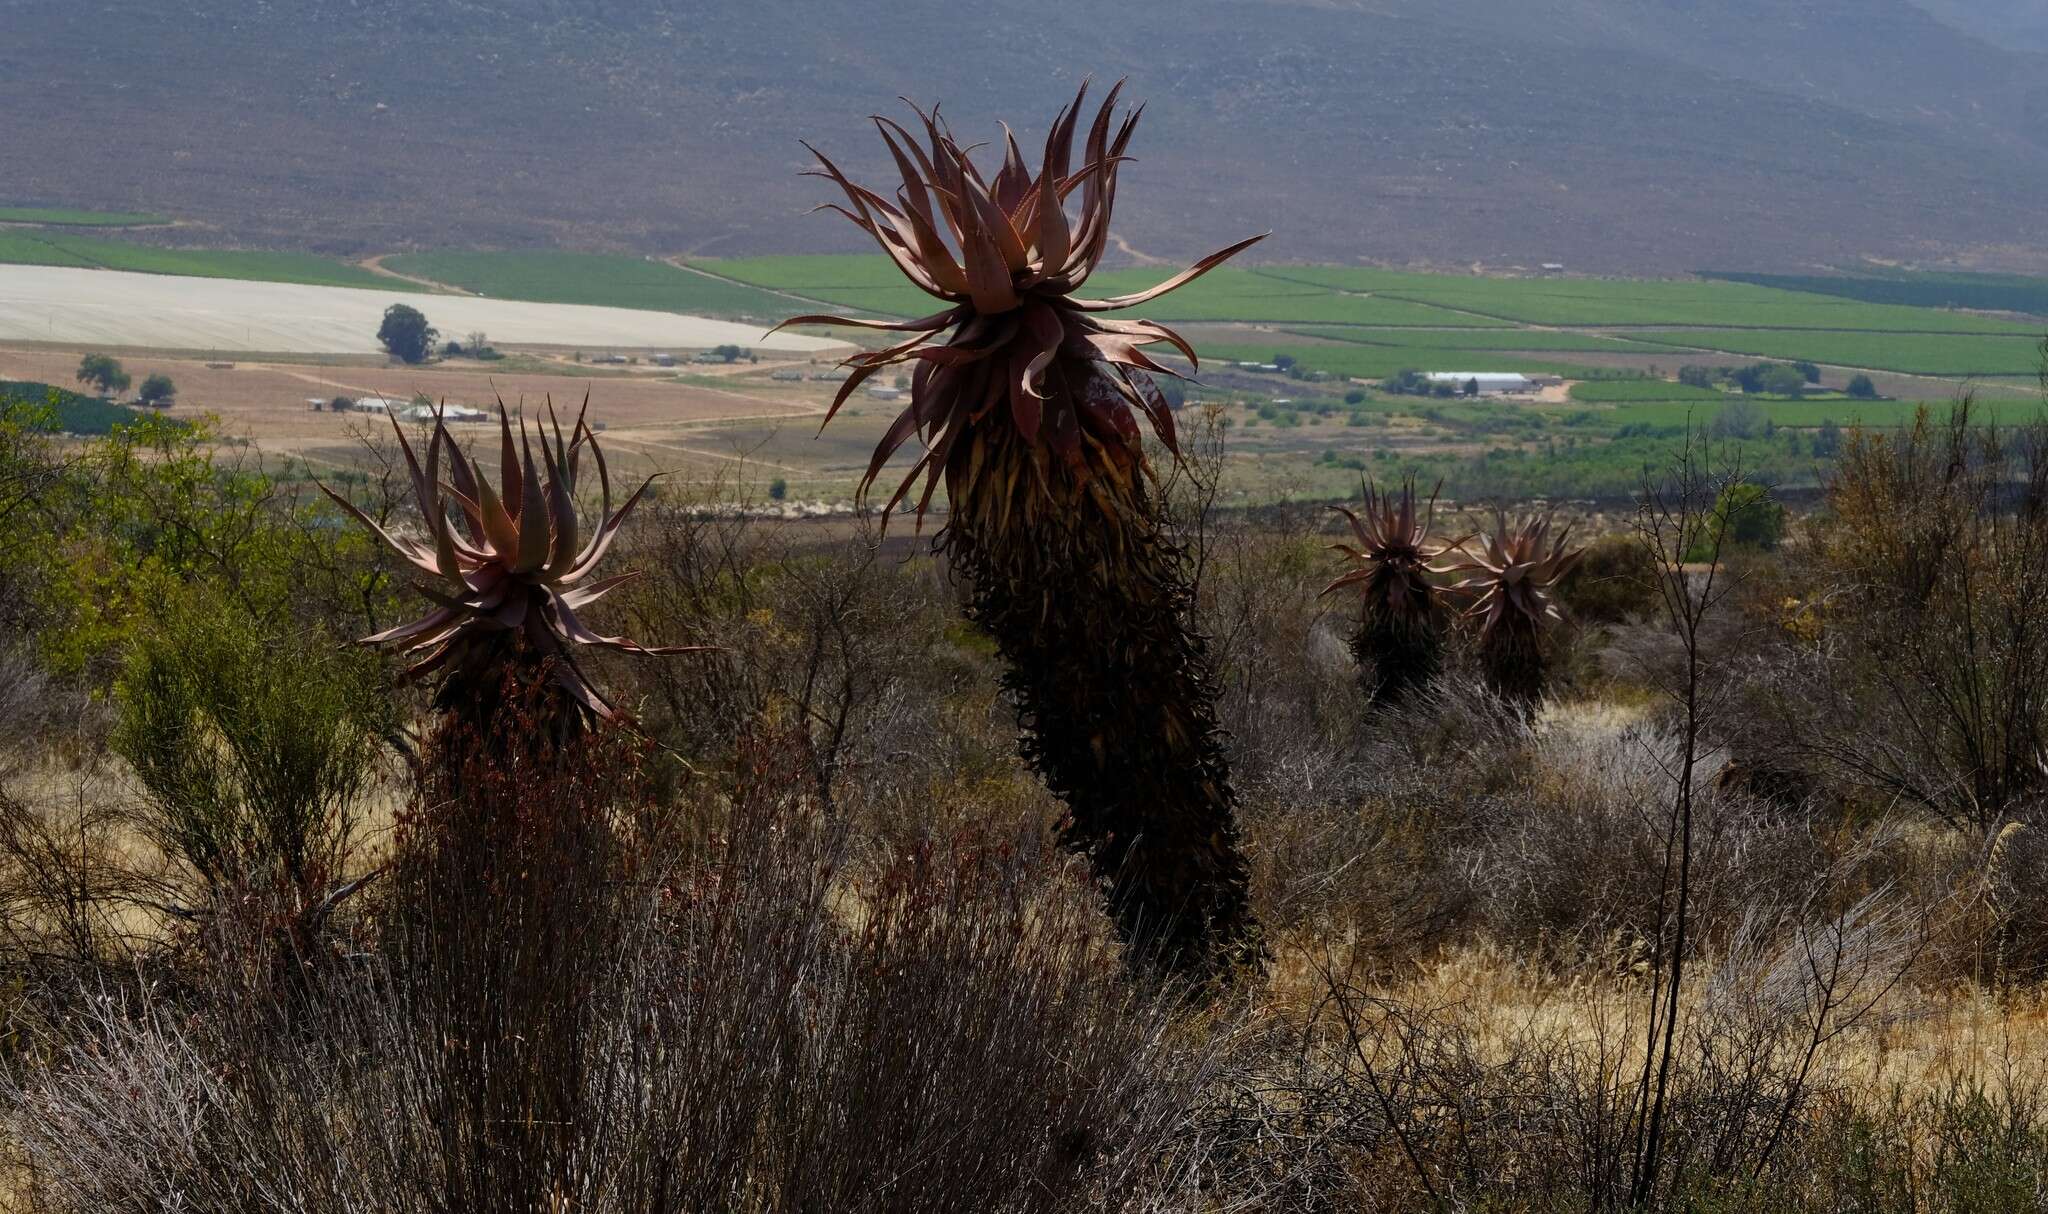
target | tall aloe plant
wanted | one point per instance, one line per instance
(508, 581)
(1398, 641)
(1028, 399)
(1513, 583)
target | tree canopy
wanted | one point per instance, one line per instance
(103, 371)
(406, 334)
(157, 391)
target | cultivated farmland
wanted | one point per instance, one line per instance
(69, 305)
(1620, 390)
(1224, 295)
(25, 247)
(1306, 431)
(1913, 353)
(595, 278)
(1604, 303)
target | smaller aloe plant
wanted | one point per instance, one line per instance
(1399, 639)
(1515, 572)
(508, 581)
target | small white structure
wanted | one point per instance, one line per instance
(422, 414)
(885, 392)
(787, 375)
(378, 404)
(1491, 383)
(662, 360)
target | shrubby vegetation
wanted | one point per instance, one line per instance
(799, 923)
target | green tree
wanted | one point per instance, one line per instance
(1810, 371)
(1738, 419)
(1862, 388)
(104, 372)
(778, 489)
(1752, 520)
(406, 334)
(158, 392)
(1781, 380)
(1827, 441)
(1407, 381)
(1696, 377)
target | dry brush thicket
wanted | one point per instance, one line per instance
(802, 935)
(1673, 873)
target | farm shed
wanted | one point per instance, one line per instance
(1491, 383)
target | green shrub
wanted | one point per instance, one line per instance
(1750, 518)
(1614, 582)
(253, 750)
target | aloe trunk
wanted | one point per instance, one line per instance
(1088, 599)
(1397, 655)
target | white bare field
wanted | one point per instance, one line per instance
(158, 311)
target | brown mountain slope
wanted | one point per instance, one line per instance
(1612, 134)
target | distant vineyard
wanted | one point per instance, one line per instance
(74, 413)
(1957, 354)
(1989, 292)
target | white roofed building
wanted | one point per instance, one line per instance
(1490, 383)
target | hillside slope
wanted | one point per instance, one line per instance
(2022, 24)
(1611, 134)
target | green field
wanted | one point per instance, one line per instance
(1913, 353)
(1514, 339)
(24, 248)
(1349, 361)
(61, 217)
(53, 249)
(1615, 391)
(1921, 289)
(596, 278)
(1600, 303)
(1224, 295)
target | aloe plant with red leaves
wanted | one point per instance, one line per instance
(509, 580)
(1027, 399)
(1513, 583)
(1399, 638)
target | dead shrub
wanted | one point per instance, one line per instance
(748, 1028)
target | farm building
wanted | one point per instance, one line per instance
(787, 375)
(884, 392)
(376, 404)
(1491, 383)
(422, 414)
